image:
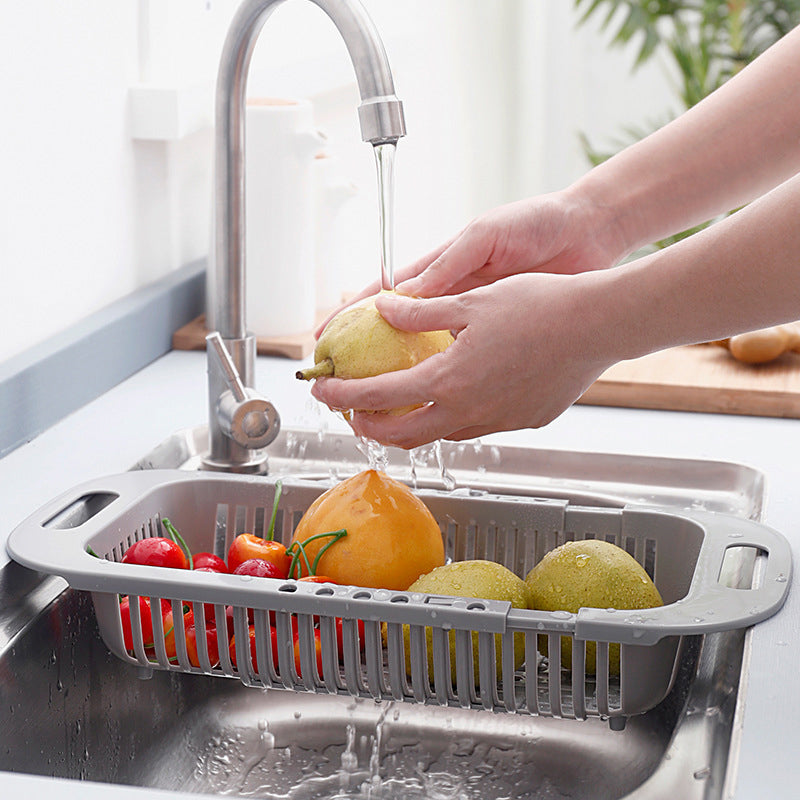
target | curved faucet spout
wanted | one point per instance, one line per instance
(381, 119)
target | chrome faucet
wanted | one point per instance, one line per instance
(241, 423)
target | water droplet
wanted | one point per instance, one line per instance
(702, 774)
(735, 535)
(781, 643)
(781, 578)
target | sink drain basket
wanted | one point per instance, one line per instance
(394, 645)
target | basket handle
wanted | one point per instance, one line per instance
(709, 606)
(45, 541)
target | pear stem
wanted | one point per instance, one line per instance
(322, 369)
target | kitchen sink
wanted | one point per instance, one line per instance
(72, 710)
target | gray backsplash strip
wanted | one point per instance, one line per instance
(63, 373)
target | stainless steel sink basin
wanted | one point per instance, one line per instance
(72, 710)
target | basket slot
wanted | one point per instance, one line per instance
(221, 622)
(226, 518)
(202, 635)
(220, 546)
(307, 675)
(601, 677)
(487, 670)
(160, 630)
(578, 682)
(531, 674)
(465, 671)
(241, 635)
(179, 635)
(350, 652)
(508, 681)
(285, 648)
(442, 681)
(250, 520)
(649, 562)
(554, 673)
(396, 660)
(265, 666)
(418, 662)
(330, 653)
(456, 541)
(373, 656)
(505, 547)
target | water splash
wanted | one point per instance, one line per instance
(377, 454)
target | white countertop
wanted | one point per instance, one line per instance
(111, 433)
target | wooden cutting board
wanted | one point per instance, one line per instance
(701, 378)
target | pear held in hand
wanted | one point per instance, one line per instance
(359, 343)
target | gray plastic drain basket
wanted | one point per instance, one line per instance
(363, 649)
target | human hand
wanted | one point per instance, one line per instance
(555, 233)
(526, 348)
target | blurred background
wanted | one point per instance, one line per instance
(107, 131)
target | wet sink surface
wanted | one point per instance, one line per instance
(72, 710)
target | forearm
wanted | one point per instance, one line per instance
(741, 274)
(732, 147)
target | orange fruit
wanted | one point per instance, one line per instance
(392, 538)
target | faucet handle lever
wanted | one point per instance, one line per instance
(225, 363)
(244, 415)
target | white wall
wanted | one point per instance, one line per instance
(494, 93)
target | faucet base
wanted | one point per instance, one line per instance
(258, 464)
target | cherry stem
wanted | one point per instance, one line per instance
(298, 550)
(270, 535)
(178, 539)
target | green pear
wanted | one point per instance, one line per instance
(480, 579)
(359, 343)
(589, 574)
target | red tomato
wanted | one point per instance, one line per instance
(259, 568)
(318, 648)
(252, 636)
(146, 620)
(246, 546)
(157, 551)
(316, 579)
(190, 630)
(208, 562)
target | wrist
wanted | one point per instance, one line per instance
(599, 214)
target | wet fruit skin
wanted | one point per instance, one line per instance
(359, 343)
(589, 574)
(392, 538)
(479, 579)
(246, 546)
(156, 551)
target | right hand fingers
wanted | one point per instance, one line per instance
(449, 268)
(402, 276)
